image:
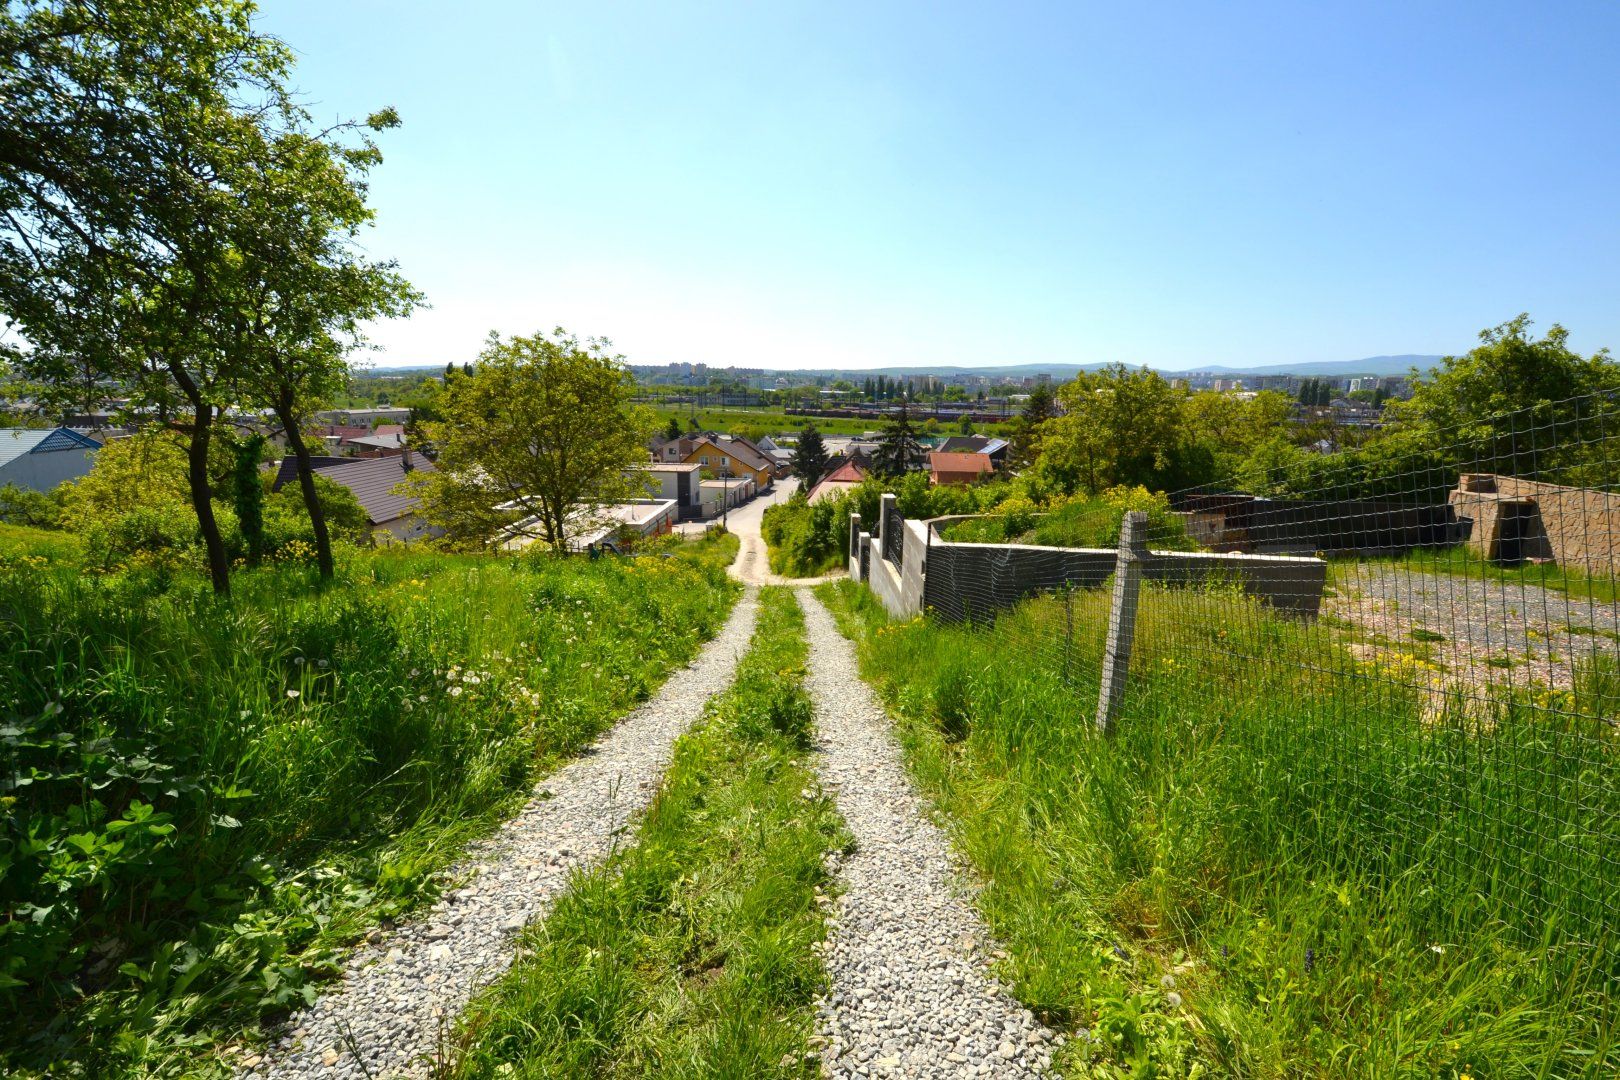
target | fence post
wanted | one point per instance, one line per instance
(1122, 617)
(885, 511)
(855, 544)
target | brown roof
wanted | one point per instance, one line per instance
(850, 472)
(948, 467)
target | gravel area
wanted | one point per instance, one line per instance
(403, 990)
(1478, 630)
(912, 994)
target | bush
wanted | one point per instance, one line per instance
(34, 509)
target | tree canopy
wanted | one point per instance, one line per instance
(534, 440)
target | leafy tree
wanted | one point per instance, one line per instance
(898, 451)
(25, 506)
(543, 427)
(1120, 426)
(1026, 440)
(965, 425)
(672, 430)
(809, 457)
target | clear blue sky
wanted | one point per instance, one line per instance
(821, 184)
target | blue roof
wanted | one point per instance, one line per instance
(15, 442)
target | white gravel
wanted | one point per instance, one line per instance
(908, 957)
(401, 993)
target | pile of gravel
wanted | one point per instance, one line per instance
(908, 957)
(402, 991)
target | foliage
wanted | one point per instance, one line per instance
(898, 451)
(25, 506)
(287, 522)
(1118, 426)
(803, 538)
(544, 424)
(1219, 887)
(809, 457)
(1075, 521)
(692, 952)
(204, 798)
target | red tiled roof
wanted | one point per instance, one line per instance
(850, 472)
(972, 464)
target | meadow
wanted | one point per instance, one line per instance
(693, 951)
(1282, 863)
(204, 799)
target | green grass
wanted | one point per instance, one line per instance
(1463, 561)
(1333, 885)
(692, 952)
(204, 798)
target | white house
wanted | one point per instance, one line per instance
(42, 458)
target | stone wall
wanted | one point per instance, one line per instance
(1578, 528)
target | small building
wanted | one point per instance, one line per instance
(993, 448)
(39, 459)
(620, 523)
(393, 516)
(945, 468)
(674, 481)
(726, 493)
(848, 474)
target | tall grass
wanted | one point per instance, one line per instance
(203, 797)
(693, 952)
(1279, 865)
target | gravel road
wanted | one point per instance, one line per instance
(402, 992)
(911, 992)
(1483, 631)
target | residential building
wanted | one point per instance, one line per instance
(41, 458)
(392, 515)
(729, 455)
(847, 474)
(957, 469)
(994, 448)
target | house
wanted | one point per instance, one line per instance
(359, 440)
(958, 469)
(846, 475)
(729, 455)
(372, 480)
(41, 458)
(589, 526)
(993, 448)
(383, 413)
(673, 481)
(781, 455)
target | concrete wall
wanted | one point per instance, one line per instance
(967, 580)
(43, 472)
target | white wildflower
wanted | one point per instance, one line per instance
(292, 693)
(455, 691)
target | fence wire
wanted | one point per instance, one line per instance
(1419, 645)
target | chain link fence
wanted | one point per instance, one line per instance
(1442, 698)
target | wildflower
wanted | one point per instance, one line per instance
(298, 661)
(414, 673)
(1173, 1000)
(1439, 949)
(421, 697)
(322, 664)
(292, 694)
(455, 691)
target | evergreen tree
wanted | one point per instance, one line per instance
(898, 452)
(809, 457)
(673, 430)
(1026, 440)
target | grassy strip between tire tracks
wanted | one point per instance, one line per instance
(1191, 898)
(694, 951)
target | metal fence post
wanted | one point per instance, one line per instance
(1122, 617)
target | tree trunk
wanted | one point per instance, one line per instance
(306, 484)
(219, 564)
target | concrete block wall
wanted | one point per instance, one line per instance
(1575, 527)
(961, 580)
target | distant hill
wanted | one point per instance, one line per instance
(1372, 365)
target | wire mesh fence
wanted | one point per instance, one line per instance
(1415, 647)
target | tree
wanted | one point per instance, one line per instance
(170, 223)
(1120, 426)
(898, 451)
(810, 456)
(247, 495)
(534, 440)
(1026, 440)
(1513, 404)
(672, 430)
